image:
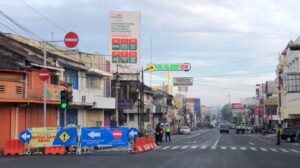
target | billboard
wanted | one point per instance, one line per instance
(183, 88)
(190, 105)
(197, 106)
(124, 41)
(237, 106)
(183, 81)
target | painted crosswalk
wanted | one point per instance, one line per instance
(231, 148)
(220, 148)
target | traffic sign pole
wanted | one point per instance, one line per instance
(45, 89)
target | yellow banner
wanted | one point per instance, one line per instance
(42, 137)
(271, 101)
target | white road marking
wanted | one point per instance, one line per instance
(213, 147)
(251, 143)
(194, 147)
(223, 147)
(243, 148)
(294, 150)
(252, 148)
(233, 148)
(283, 150)
(165, 147)
(184, 147)
(175, 147)
(274, 150)
(263, 149)
(203, 147)
(217, 141)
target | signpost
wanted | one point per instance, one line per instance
(125, 104)
(71, 40)
(133, 133)
(25, 136)
(182, 81)
(116, 137)
(44, 74)
(169, 67)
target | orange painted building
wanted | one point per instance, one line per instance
(21, 93)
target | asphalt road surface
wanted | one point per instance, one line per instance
(203, 148)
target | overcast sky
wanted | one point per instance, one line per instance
(232, 45)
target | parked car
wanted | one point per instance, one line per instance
(289, 134)
(224, 128)
(185, 130)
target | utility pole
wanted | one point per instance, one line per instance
(45, 86)
(142, 102)
(138, 101)
(117, 95)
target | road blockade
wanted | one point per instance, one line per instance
(13, 147)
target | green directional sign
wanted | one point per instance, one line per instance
(169, 67)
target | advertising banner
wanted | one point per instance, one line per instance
(42, 137)
(237, 106)
(183, 88)
(124, 41)
(182, 81)
(52, 136)
(98, 136)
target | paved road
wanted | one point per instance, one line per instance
(204, 148)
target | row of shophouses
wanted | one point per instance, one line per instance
(93, 86)
(278, 101)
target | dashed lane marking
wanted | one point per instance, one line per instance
(184, 147)
(243, 148)
(263, 149)
(274, 150)
(293, 150)
(175, 147)
(214, 147)
(283, 150)
(203, 147)
(252, 148)
(165, 147)
(233, 148)
(194, 147)
(223, 147)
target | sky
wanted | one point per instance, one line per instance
(231, 44)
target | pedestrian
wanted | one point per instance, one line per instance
(168, 132)
(158, 132)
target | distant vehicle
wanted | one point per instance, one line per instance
(289, 134)
(232, 126)
(240, 129)
(224, 128)
(185, 130)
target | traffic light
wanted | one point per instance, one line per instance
(64, 100)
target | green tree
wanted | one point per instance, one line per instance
(226, 112)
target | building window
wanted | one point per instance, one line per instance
(93, 82)
(131, 117)
(147, 116)
(98, 123)
(54, 80)
(293, 83)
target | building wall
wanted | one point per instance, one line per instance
(15, 119)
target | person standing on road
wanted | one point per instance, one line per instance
(168, 132)
(158, 133)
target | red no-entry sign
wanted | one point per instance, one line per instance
(117, 134)
(71, 40)
(44, 74)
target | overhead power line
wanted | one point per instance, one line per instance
(19, 25)
(51, 22)
(236, 61)
(9, 28)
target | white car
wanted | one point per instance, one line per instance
(185, 130)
